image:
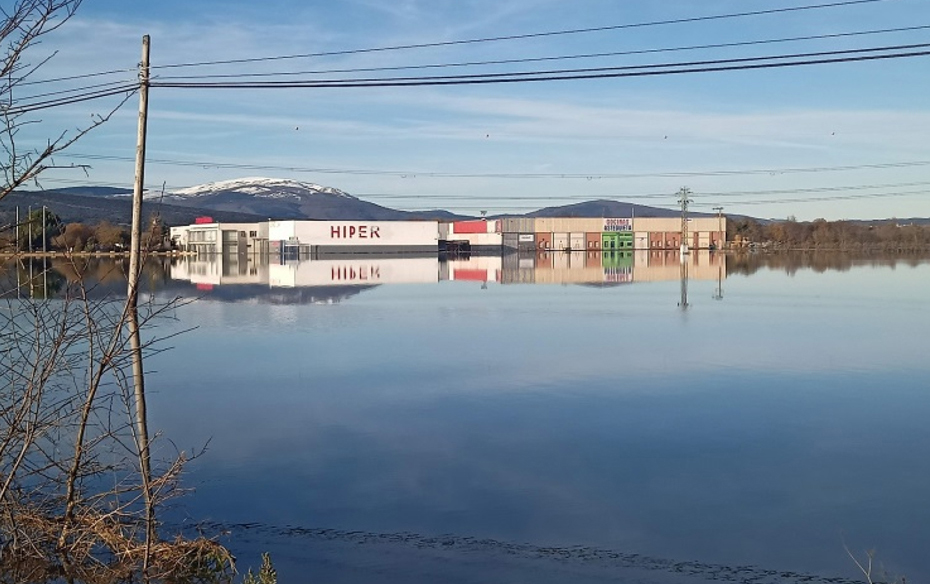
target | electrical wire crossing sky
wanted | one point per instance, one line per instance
(770, 108)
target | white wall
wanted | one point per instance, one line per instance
(357, 233)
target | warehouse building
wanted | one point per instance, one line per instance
(610, 233)
(305, 238)
(320, 238)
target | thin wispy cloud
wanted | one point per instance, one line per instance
(816, 116)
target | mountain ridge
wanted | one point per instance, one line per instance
(252, 199)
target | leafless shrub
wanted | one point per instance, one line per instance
(77, 499)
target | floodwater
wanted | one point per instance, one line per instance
(553, 419)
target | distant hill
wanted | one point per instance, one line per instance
(607, 208)
(259, 199)
(92, 191)
(117, 209)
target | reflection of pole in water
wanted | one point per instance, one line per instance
(718, 294)
(683, 303)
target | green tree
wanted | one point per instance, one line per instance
(38, 230)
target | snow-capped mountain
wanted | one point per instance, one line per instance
(271, 188)
(274, 198)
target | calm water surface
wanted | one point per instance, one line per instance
(473, 431)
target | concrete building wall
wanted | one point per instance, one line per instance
(568, 224)
(211, 238)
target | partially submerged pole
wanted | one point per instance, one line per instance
(132, 302)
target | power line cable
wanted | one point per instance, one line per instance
(719, 65)
(712, 204)
(741, 193)
(550, 58)
(497, 208)
(527, 35)
(821, 199)
(20, 83)
(14, 111)
(89, 96)
(494, 175)
(111, 84)
(814, 189)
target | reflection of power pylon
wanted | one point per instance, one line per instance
(683, 303)
(718, 294)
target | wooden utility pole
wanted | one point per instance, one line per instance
(132, 302)
(136, 235)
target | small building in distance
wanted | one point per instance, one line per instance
(480, 235)
(205, 236)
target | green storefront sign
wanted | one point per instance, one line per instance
(617, 240)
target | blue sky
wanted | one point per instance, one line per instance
(616, 138)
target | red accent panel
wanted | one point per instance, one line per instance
(470, 227)
(471, 275)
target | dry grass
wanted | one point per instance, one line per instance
(102, 549)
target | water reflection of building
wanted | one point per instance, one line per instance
(221, 269)
(588, 267)
(482, 269)
(359, 271)
(609, 267)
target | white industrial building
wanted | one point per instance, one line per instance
(315, 238)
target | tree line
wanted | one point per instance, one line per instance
(821, 234)
(41, 230)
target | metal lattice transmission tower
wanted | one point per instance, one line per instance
(684, 195)
(723, 233)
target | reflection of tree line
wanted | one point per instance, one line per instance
(818, 261)
(830, 235)
(40, 278)
(46, 277)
